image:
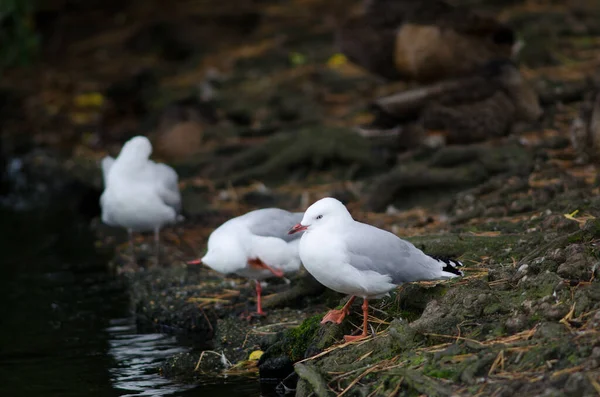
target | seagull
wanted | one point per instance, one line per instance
(256, 246)
(139, 194)
(357, 259)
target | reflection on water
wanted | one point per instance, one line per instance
(137, 358)
(58, 336)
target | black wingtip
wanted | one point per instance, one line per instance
(450, 265)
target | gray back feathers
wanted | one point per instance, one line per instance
(274, 222)
(380, 251)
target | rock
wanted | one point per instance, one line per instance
(457, 305)
(500, 273)
(274, 369)
(577, 265)
(422, 41)
(554, 312)
(557, 254)
(575, 270)
(549, 330)
(578, 385)
(557, 222)
(552, 392)
(402, 334)
(587, 298)
(539, 285)
(180, 141)
(180, 128)
(516, 323)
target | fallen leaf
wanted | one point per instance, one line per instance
(90, 99)
(337, 60)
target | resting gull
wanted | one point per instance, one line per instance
(361, 260)
(256, 246)
(139, 194)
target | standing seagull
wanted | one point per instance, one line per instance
(139, 194)
(255, 245)
(359, 259)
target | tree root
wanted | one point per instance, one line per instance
(308, 373)
(312, 147)
(450, 167)
(424, 385)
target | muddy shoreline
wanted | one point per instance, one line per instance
(525, 306)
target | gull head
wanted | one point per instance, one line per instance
(137, 148)
(324, 212)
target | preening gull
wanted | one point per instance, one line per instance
(255, 245)
(139, 194)
(359, 259)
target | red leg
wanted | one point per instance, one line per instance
(336, 316)
(365, 307)
(258, 264)
(259, 309)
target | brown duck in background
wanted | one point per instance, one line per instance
(465, 110)
(425, 40)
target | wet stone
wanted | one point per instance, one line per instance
(578, 385)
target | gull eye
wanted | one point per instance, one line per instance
(319, 216)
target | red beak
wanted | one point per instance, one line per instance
(297, 228)
(195, 262)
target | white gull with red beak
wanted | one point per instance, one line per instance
(255, 245)
(357, 259)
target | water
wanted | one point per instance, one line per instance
(65, 325)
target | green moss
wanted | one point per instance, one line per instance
(535, 318)
(416, 360)
(299, 338)
(539, 286)
(435, 372)
(494, 308)
(469, 247)
(573, 359)
(409, 315)
(576, 238)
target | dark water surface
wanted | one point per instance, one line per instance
(65, 325)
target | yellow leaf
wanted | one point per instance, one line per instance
(90, 99)
(256, 354)
(571, 215)
(337, 60)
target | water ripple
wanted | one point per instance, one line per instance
(137, 357)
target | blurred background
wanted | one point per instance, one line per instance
(420, 117)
